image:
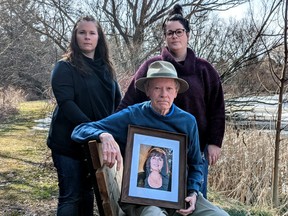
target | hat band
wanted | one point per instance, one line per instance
(168, 75)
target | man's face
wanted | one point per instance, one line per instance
(162, 92)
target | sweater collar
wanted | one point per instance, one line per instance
(182, 69)
(171, 111)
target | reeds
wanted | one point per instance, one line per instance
(245, 170)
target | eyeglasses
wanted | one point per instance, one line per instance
(178, 32)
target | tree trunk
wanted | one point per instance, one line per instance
(278, 124)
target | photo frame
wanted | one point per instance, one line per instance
(148, 150)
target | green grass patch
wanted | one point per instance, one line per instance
(28, 182)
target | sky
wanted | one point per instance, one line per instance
(241, 10)
(237, 12)
(260, 10)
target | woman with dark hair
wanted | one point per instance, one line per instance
(204, 99)
(156, 170)
(85, 87)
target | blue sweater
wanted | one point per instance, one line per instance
(143, 115)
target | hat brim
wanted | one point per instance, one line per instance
(140, 83)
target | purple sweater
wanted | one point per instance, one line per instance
(204, 99)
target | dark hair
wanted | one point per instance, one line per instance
(74, 53)
(158, 152)
(176, 14)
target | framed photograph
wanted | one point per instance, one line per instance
(154, 168)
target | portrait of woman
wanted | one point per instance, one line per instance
(156, 173)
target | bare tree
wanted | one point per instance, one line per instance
(282, 85)
(133, 27)
(49, 18)
(258, 38)
(25, 56)
(268, 58)
(136, 25)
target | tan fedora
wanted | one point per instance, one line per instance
(161, 69)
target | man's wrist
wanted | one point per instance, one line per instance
(192, 193)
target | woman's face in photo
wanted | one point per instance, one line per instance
(156, 163)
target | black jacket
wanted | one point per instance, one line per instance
(80, 98)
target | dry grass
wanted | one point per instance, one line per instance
(9, 99)
(245, 169)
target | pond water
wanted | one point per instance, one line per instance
(259, 111)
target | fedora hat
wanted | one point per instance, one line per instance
(161, 69)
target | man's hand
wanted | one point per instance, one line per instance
(213, 154)
(111, 151)
(192, 202)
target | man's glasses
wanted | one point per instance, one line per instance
(178, 32)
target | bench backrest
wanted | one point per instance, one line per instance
(109, 181)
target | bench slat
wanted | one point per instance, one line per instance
(109, 181)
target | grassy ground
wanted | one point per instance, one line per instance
(27, 176)
(28, 184)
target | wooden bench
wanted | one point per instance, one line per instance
(107, 182)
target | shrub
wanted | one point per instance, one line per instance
(9, 100)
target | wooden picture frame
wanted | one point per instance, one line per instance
(140, 141)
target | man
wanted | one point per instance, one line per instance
(162, 86)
